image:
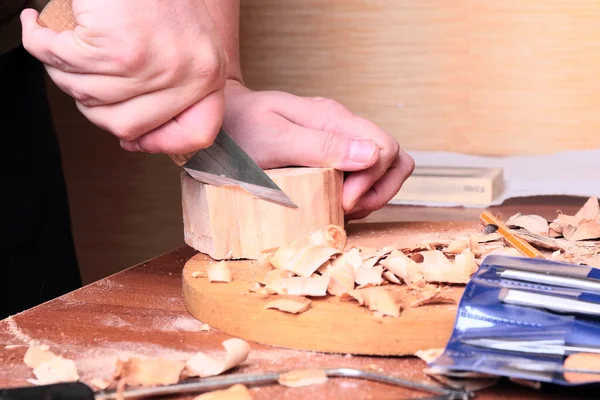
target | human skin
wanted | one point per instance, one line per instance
(150, 72)
(279, 129)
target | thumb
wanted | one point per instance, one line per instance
(318, 148)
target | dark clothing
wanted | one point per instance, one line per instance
(10, 21)
(37, 254)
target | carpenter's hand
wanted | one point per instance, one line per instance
(150, 72)
(279, 129)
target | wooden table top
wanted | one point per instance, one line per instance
(141, 311)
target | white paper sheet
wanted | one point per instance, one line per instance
(571, 173)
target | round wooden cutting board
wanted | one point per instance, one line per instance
(330, 324)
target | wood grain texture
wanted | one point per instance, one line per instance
(142, 311)
(58, 15)
(439, 75)
(229, 223)
(231, 308)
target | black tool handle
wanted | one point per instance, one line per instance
(57, 391)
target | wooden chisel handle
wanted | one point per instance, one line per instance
(582, 361)
(58, 16)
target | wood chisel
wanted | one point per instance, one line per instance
(80, 391)
(223, 163)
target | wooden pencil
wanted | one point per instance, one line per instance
(521, 245)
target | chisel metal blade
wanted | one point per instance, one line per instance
(226, 163)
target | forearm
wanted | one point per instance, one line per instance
(226, 14)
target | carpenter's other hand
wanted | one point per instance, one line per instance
(279, 129)
(150, 72)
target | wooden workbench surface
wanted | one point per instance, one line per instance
(141, 310)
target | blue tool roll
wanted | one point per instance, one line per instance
(521, 317)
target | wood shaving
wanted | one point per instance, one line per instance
(100, 383)
(332, 236)
(404, 268)
(319, 265)
(148, 371)
(390, 277)
(235, 392)
(490, 237)
(456, 247)
(532, 223)
(377, 299)
(429, 355)
(290, 304)
(219, 272)
(585, 231)
(341, 277)
(275, 275)
(369, 276)
(433, 297)
(203, 365)
(590, 211)
(303, 377)
(301, 286)
(48, 368)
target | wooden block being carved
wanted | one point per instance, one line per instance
(229, 223)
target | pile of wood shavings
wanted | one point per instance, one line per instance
(145, 371)
(319, 265)
(138, 371)
(571, 238)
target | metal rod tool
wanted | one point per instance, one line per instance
(79, 390)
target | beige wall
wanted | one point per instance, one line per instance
(435, 74)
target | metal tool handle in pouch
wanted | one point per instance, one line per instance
(58, 391)
(58, 16)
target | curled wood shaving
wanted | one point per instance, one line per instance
(369, 276)
(203, 365)
(300, 286)
(590, 211)
(404, 268)
(532, 223)
(303, 377)
(545, 242)
(390, 277)
(473, 246)
(37, 354)
(56, 370)
(585, 231)
(352, 257)
(275, 275)
(235, 392)
(436, 267)
(429, 355)
(341, 277)
(373, 259)
(303, 261)
(147, 371)
(48, 368)
(290, 304)
(456, 247)
(490, 237)
(219, 272)
(377, 299)
(332, 236)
